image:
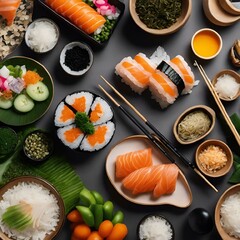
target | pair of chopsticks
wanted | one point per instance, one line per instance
(155, 138)
(218, 101)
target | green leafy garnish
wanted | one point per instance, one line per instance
(83, 122)
(158, 14)
(15, 71)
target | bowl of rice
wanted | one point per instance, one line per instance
(42, 35)
(155, 226)
(37, 207)
(214, 158)
(227, 214)
(227, 84)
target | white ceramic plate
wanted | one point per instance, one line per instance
(182, 196)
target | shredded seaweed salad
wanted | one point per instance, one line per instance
(158, 14)
(56, 170)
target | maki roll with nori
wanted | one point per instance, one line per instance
(84, 121)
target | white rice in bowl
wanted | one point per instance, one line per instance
(45, 210)
(230, 215)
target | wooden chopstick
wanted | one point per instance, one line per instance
(135, 121)
(150, 125)
(219, 102)
(153, 139)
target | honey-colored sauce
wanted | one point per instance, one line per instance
(206, 44)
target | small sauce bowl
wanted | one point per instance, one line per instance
(198, 108)
(44, 31)
(158, 221)
(76, 58)
(38, 146)
(222, 170)
(206, 43)
(232, 74)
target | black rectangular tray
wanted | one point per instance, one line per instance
(118, 4)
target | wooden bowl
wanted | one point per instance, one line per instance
(234, 75)
(211, 114)
(215, 13)
(221, 172)
(186, 12)
(229, 7)
(230, 191)
(45, 184)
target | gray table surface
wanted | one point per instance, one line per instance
(127, 40)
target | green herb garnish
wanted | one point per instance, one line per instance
(158, 14)
(15, 71)
(83, 122)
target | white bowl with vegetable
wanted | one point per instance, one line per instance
(42, 35)
(76, 58)
(30, 206)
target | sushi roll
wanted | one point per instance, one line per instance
(165, 68)
(133, 74)
(80, 101)
(63, 115)
(101, 112)
(183, 69)
(84, 121)
(163, 90)
(70, 135)
(101, 137)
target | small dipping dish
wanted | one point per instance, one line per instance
(227, 84)
(194, 124)
(76, 58)
(42, 35)
(38, 146)
(214, 158)
(206, 43)
(155, 226)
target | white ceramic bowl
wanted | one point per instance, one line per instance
(34, 29)
(70, 46)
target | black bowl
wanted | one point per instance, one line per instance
(38, 146)
(158, 216)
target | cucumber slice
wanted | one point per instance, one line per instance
(38, 91)
(5, 103)
(23, 103)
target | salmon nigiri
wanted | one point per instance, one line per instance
(145, 62)
(8, 9)
(131, 161)
(148, 179)
(133, 74)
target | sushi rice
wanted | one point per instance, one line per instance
(58, 120)
(107, 113)
(76, 137)
(71, 100)
(87, 146)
